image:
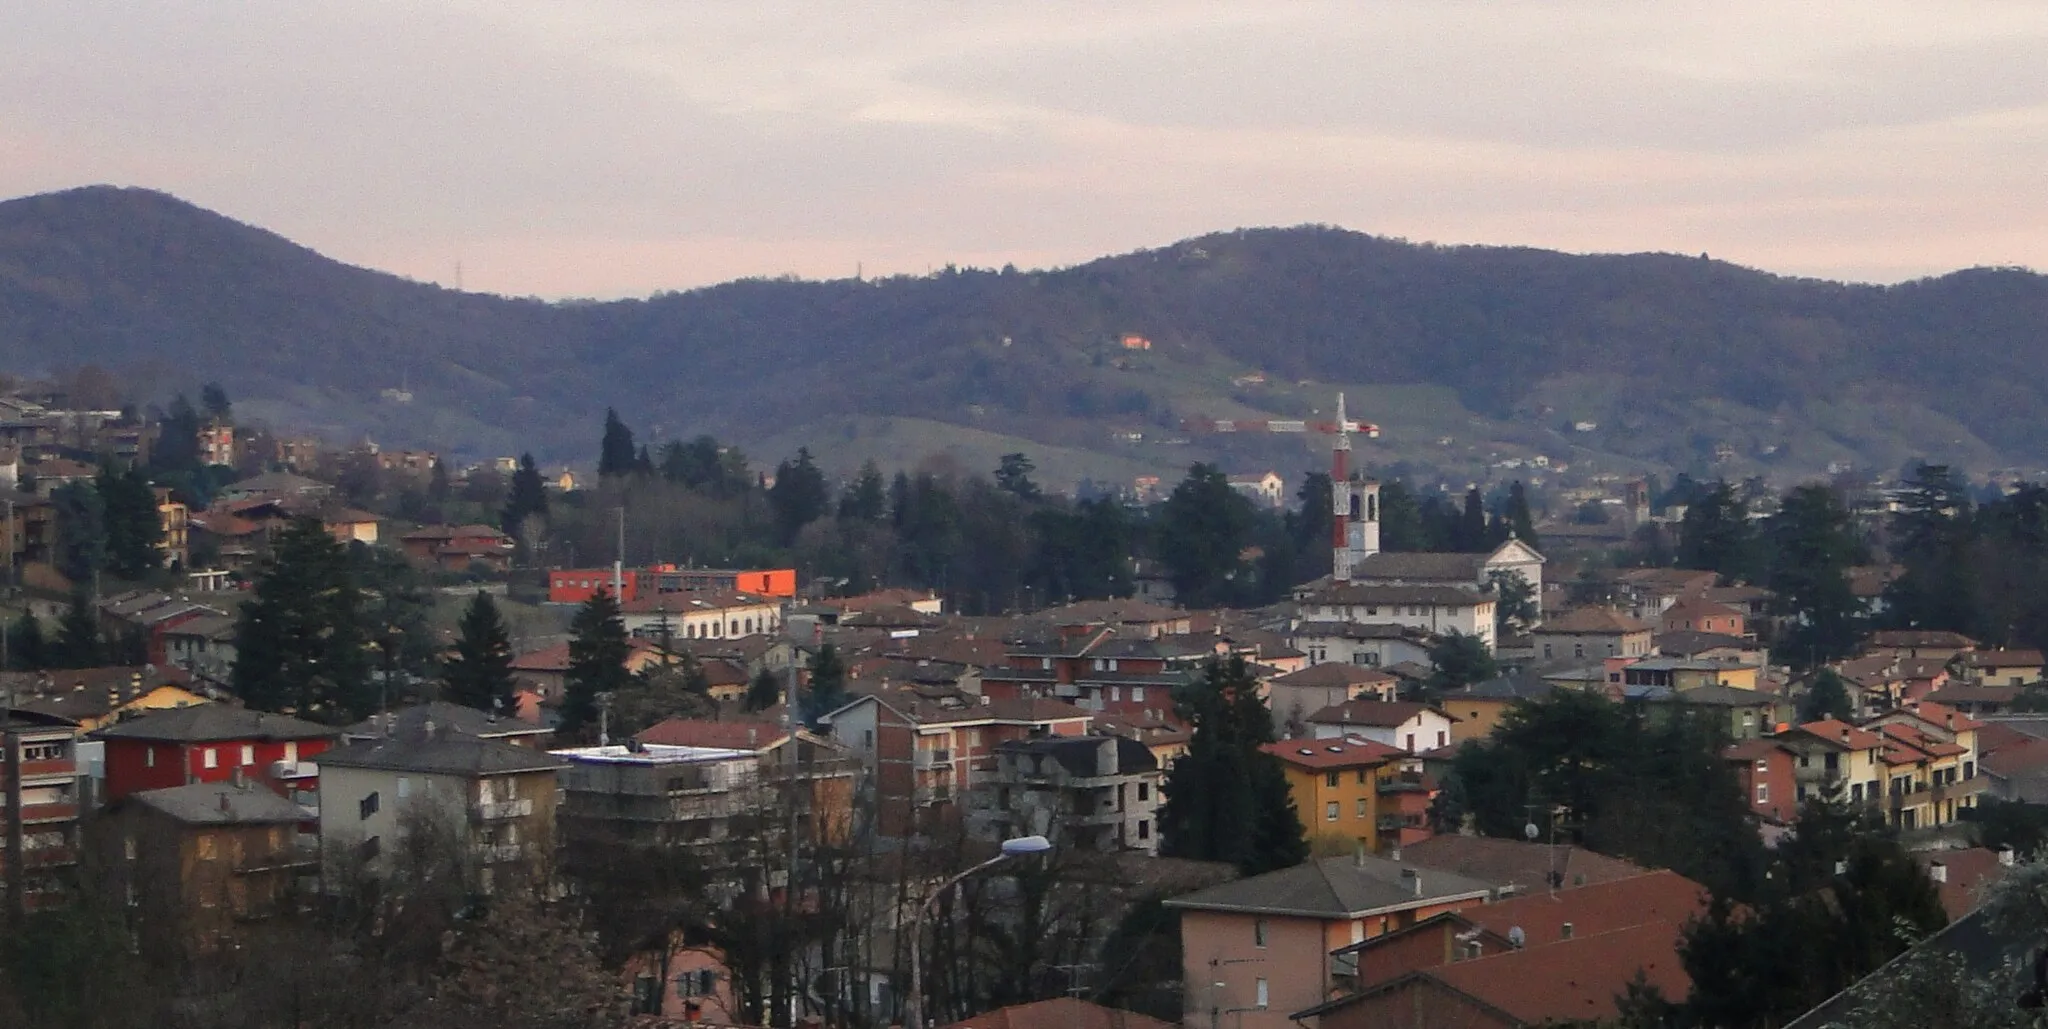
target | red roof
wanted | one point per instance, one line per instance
(1328, 754)
(701, 732)
(1841, 734)
(1941, 716)
(1663, 896)
(1576, 980)
(1965, 875)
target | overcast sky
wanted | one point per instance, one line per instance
(607, 147)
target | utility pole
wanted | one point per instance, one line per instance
(619, 562)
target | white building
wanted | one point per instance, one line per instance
(703, 615)
(1414, 728)
(1432, 609)
(1266, 489)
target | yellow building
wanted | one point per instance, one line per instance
(98, 697)
(1480, 706)
(175, 519)
(1337, 786)
(1838, 760)
(1683, 673)
(1931, 764)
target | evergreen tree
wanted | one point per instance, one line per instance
(81, 545)
(177, 439)
(479, 675)
(302, 643)
(133, 527)
(616, 454)
(1519, 517)
(1813, 545)
(215, 400)
(1401, 525)
(1933, 535)
(1514, 603)
(1460, 660)
(1472, 523)
(528, 497)
(827, 689)
(28, 650)
(1013, 475)
(1826, 697)
(1308, 527)
(866, 500)
(1203, 529)
(799, 496)
(79, 642)
(598, 650)
(1227, 799)
(1716, 536)
(764, 692)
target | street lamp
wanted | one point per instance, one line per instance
(1018, 847)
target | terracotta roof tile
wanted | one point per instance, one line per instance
(1327, 754)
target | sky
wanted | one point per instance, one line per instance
(604, 148)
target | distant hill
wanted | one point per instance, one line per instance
(1465, 354)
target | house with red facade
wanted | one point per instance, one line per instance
(925, 750)
(1099, 669)
(1765, 768)
(214, 743)
(458, 548)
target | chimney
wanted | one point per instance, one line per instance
(1358, 854)
(1845, 734)
(2005, 857)
(1938, 872)
(1409, 875)
(238, 777)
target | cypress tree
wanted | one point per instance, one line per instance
(1520, 519)
(1472, 524)
(132, 525)
(828, 683)
(616, 454)
(480, 673)
(1227, 799)
(597, 663)
(764, 692)
(529, 497)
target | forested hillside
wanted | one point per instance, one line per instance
(1666, 356)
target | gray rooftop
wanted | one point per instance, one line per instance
(441, 752)
(207, 723)
(1339, 887)
(438, 713)
(219, 803)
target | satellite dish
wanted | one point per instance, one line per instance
(1516, 937)
(1530, 830)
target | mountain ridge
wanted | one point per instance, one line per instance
(1692, 352)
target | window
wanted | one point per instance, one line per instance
(1411, 743)
(1330, 779)
(291, 751)
(1762, 765)
(1144, 791)
(368, 806)
(1578, 650)
(1137, 694)
(1260, 989)
(149, 758)
(42, 752)
(372, 847)
(1763, 793)
(1144, 829)
(1969, 769)
(1112, 664)
(1361, 807)
(1440, 740)
(210, 758)
(1546, 651)
(1116, 693)
(248, 754)
(404, 787)
(1361, 777)
(1258, 932)
(1330, 811)
(699, 983)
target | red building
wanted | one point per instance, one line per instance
(1765, 769)
(214, 743)
(576, 585)
(1098, 670)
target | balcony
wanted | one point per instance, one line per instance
(500, 853)
(494, 811)
(1406, 782)
(932, 758)
(32, 814)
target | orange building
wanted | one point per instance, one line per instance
(576, 585)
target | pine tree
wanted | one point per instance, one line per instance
(79, 642)
(1826, 697)
(1227, 799)
(1472, 523)
(1013, 475)
(798, 497)
(215, 399)
(1716, 536)
(866, 500)
(764, 692)
(28, 650)
(302, 642)
(1459, 661)
(132, 525)
(479, 675)
(1401, 524)
(827, 690)
(598, 650)
(177, 441)
(1203, 529)
(1813, 544)
(81, 546)
(529, 497)
(616, 454)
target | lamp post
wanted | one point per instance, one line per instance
(1020, 846)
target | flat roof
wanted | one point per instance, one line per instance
(650, 754)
